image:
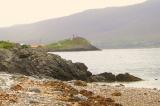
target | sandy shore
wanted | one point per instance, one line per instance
(19, 90)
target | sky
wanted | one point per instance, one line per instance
(14, 12)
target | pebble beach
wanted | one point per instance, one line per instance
(20, 90)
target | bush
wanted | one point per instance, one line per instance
(25, 46)
(6, 44)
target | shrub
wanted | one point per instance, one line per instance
(25, 46)
(6, 44)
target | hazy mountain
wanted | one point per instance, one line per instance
(114, 27)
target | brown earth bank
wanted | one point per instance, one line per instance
(39, 63)
(20, 90)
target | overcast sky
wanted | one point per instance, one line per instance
(27, 11)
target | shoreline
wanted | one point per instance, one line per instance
(20, 90)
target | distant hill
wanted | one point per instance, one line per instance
(73, 44)
(115, 27)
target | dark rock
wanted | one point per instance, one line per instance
(127, 78)
(33, 62)
(104, 77)
(109, 77)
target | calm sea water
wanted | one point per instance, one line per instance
(143, 63)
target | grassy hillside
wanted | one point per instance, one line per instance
(71, 44)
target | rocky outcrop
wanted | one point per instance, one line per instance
(31, 62)
(109, 77)
(38, 63)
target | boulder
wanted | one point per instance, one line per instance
(127, 78)
(103, 77)
(109, 77)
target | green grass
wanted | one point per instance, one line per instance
(69, 43)
(6, 45)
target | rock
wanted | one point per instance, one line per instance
(17, 87)
(35, 90)
(103, 77)
(120, 85)
(80, 83)
(32, 62)
(116, 93)
(127, 78)
(34, 102)
(154, 88)
(109, 77)
(79, 97)
(86, 93)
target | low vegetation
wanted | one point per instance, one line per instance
(6, 45)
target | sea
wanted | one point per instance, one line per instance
(143, 63)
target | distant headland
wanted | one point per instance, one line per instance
(75, 43)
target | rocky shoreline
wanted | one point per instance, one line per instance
(33, 77)
(38, 63)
